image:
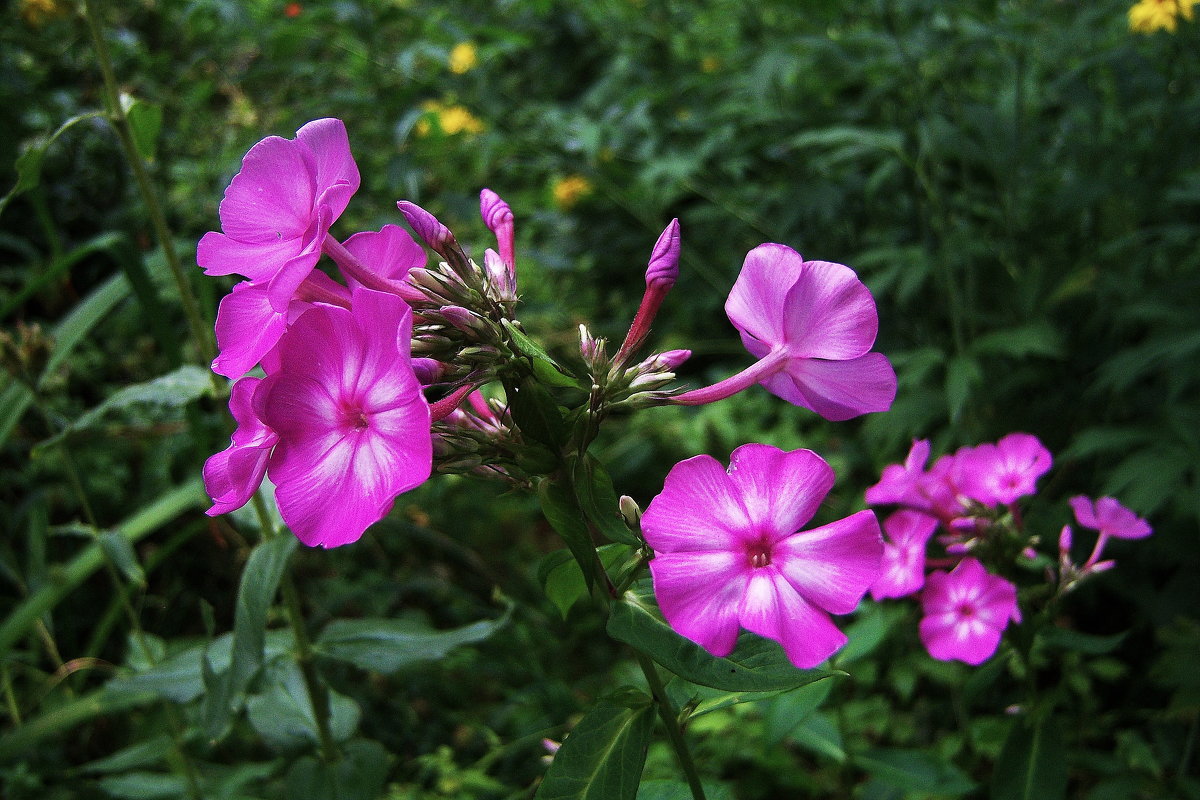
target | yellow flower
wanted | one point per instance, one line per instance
(568, 191)
(710, 64)
(37, 12)
(450, 119)
(463, 58)
(1152, 15)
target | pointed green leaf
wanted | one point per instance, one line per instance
(120, 551)
(545, 368)
(602, 758)
(755, 665)
(564, 515)
(359, 775)
(598, 500)
(29, 163)
(1032, 764)
(388, 645)
(283, 713)
(145, 122)
(562, 580)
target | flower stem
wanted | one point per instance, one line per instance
(317, 693)
(200, 329)
(671, 722)
(765, 367)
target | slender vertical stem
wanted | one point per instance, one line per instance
(317, 693)
(200, 329)
(671, 722)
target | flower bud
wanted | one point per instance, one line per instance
(631, 512)
(425, 225)
(663, 268)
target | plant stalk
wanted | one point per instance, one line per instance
(671, 723)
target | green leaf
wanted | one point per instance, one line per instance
(143, 754)
(170, 391)
(145, 785)
(783, 713)
(1082, 642)
(67, 334)
(962, 374)
(359, 775)
(914, 771)
(1032, 764)
(564, 515)
(562, 580)
(145, 122)
(678, 790)
(108, 242)
(756, 664)
(388, 645)
(602, 758)
(699, 700)
(545, 368)
(869, 629)
(68, 716)
(29, 163)
(536, 413)
(283, 713)
(1035, 339)
(819, 734)
(120, 551)
(598, 500)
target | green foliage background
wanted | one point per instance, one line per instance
(1017, 182)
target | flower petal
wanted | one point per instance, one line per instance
(247, 327)
(829, 313)
(771, 607)
(336, 177)
(837, 390)
(699, 509)
(391, 252)
(219, 254)
(699, 594)
(756, 301)
(834, 565)
(779, 490)
(272, 196)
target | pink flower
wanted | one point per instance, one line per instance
(232, 476)
(811, 324)
(1110, 518)
(898, 483)
(966, 611)
(903, 554)
(344, 411)
(1004, 471)
(728, 552)
(278, 209)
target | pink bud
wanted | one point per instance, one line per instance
(664, 259)
(495, 212)
(499, 275)
(1064, 540)
(669, 361)
(425, 225)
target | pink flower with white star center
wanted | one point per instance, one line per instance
(729, 552)
(966, 611)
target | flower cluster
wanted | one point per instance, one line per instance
(1148, 16)
(971, 497)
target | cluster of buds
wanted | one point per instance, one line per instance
(971, 497)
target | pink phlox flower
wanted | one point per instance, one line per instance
(353, 424)
(903, 569)
(940, 486)
(898, 483)
(1004, 471)
(966, 611)
(278, 208)
(1109, 517)
(729, 552)
(816, 321)
(232, 476)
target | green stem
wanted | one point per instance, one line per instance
(201, 331)
(670, 720)
(10, 699)
(318, 695)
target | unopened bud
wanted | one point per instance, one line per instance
(499, 275)
(631, 512)
(663, 268)
(425, 225)
(668, 361)
(464, 319)
(428, 370)
(1064, 540)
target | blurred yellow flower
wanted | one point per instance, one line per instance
(710, 64)
(567, 191)
(37, 12)
(1152, 15)
(450, 119)
(463, 58)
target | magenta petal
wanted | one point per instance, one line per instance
(232, 476)
(779, 490)
(698, 510)
(336, 177)
(772, 608)
(1117, 520)
(837, 390)
(834, 565)
(947, 638)
(247, 327)
(829, 313)
(699, 594)
(391, 252)
(272, 197)
(1085, 512)
(219, 254)
(756, 301)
